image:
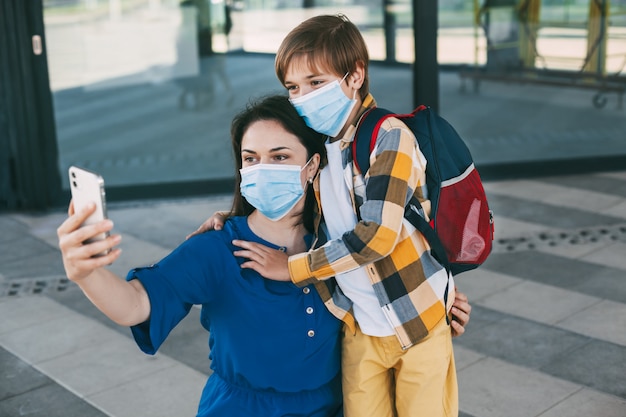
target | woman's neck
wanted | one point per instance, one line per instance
(287, 232)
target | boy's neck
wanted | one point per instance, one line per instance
(352, 120)
(335, 139)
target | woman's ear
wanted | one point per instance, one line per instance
(313, 167)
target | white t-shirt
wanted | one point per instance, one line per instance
(340, 218)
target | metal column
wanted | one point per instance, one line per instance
(425, 67)
(595, 61)
(29, 172)
(529, 12)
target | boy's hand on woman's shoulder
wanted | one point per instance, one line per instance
(215, 222)
(270, 263)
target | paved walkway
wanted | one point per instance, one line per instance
(546, 338)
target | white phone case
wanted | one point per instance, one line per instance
(87, 186)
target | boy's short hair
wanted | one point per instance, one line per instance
(330, 43)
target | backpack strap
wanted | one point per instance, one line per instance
(411, 213)
(367, 132)
(362, 147)
(365, 137)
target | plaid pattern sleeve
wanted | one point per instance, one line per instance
(410, 284)
(395, 174)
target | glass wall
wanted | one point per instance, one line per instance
(536, 80)
(144, 90)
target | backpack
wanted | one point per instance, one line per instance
(460, 232)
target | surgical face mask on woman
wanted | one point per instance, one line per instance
(326, 109)
(272, 189)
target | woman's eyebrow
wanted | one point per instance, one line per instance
(276, 149)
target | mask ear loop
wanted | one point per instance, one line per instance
(342, 80)
(307, 163)
(310, 179)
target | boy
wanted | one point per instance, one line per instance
(397, 357)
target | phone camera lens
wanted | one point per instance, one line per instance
(74, 183)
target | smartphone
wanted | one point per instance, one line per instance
(87, 186)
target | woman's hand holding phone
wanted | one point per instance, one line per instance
(87, 187)
(85, 237)
(79, 257)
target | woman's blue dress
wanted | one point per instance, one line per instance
(274, 347)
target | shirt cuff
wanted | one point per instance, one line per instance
(299, 270)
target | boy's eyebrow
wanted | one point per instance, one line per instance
(308, 77)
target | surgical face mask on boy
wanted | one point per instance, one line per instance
(326, 109)
(272, 189)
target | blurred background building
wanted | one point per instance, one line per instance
(143, 91)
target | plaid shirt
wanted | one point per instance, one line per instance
(409, 283)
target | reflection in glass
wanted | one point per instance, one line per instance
(144, 90)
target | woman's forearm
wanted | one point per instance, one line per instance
(124, 302)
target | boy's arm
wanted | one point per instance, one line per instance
(398, 169)
(215, 222)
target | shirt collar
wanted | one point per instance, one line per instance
(367, 103)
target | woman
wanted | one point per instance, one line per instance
(275, 348)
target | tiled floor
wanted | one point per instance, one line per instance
(546, 337)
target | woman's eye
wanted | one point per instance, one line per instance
(281, 157)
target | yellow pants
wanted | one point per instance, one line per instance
(382, 380)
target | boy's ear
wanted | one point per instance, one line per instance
(357, 77)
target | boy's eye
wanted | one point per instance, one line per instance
(291, 87)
